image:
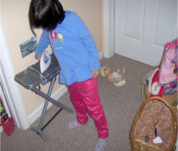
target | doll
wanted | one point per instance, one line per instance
(168, 65)
(114, 77)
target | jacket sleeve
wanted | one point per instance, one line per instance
(82, 32)
(43, 44)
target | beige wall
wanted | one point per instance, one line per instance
(14, 18)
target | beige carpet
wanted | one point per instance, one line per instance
(120, 105)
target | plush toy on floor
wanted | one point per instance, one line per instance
(116, 77)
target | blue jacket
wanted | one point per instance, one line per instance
(74, 48)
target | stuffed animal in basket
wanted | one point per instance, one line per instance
(116, 77)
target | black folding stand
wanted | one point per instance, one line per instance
(32, 80)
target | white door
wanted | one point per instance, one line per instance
(143, 27)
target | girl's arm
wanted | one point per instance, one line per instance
(42, 45)
(81, 31)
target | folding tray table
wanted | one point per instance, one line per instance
(31, 79)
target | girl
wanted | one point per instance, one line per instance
(75, 50)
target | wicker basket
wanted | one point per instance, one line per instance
(141, 145)
(171, 99)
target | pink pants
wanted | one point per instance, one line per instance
(84, 96)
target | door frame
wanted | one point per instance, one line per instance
(109, 26)
(10, 87)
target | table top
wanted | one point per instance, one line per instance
(29, 78)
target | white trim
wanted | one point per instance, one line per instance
(37, 113)
(109, 17)
(10, 87)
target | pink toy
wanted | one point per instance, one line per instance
(168, 67)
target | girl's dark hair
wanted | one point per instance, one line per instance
(45, 14)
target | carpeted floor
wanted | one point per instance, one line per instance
(120, 105)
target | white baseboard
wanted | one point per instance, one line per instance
(37, 113)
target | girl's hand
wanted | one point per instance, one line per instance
(39, 57)
(95, 73)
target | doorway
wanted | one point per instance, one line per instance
(143, 27)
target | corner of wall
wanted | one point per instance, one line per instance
(101, 54)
